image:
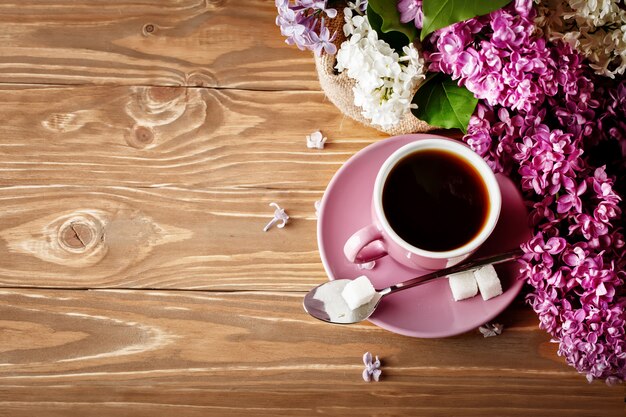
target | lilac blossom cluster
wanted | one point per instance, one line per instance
(544, 123)
(302, 22)
(498, 58)
(575, 260)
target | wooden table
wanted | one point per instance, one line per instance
(140, 145)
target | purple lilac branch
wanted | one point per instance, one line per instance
(544, 121)
(302, 22)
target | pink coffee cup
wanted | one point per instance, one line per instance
(378, 239)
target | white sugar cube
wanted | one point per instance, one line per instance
(463, 285)
(488, 282)
(357, 292)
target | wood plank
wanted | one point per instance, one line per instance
(155, 136)
(157, 352)
(89, 237)
(217, 43)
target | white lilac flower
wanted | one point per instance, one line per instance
(385, 79)
(372, 368)
(280, 218)
(302, 23)
(490, 330)
(599, 12)
(596, 28)
(360, 5)
(315, 140)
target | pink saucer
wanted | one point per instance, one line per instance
(427, 311)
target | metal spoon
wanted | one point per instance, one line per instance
(325, 302)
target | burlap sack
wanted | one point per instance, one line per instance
(338, 88)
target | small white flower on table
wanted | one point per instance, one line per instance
(279, 216)
(372, 369)
(315, 140)
(490, 330)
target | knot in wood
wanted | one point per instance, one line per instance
(140, 136)
(79, 235)
(148, 29)
(143, 134)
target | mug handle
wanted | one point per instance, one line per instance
(366, 245)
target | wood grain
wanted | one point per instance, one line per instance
(140, 145)
(184, 137)
(217, 43)
(136, 353)
(89, 237)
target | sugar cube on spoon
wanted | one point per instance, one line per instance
(357, 292)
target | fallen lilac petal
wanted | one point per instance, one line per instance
(315, 140)
(280, 218)
(372, 369)
(317, 206)
(490, 330)
(376, 363)
(366, 375)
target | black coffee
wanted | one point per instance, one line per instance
(435, 200)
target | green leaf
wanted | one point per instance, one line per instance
(441, 102)
(441, 13)
(390, 16)
(395, 39)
